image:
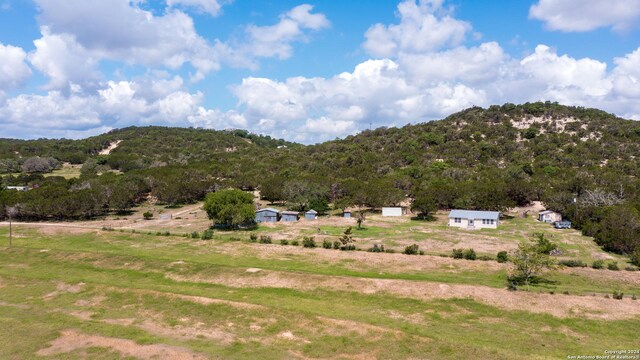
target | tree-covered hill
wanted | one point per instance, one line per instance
(582, 162)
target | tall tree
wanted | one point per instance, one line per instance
(230, 207)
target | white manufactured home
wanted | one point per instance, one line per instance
(472, 220)
(391, 211)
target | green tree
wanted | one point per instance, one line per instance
(230, 207)
(528, 262)
(424, 203)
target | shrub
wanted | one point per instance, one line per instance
(457, 253)
(565, 292)
(195, 235)
(284, 242)
(376, 248)
(295, 242)
(572, 263)
(613, 266)
(265, 239)
(633, 297)
(618, 295)
(253, 237)
(598, 264)
(309, 242)
(107, 228)
(635, 256)
(207, 234)
(166, 233)
(470, 254)
(326, 244)
(390, 251)
(502, 257)
(337, 244)
(545, 246)
(630, 268)
(234, 238)
(412, 250)
(485, 258)
(147, 215)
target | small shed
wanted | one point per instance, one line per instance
(346, 214)
(471, 219)
(549, 216)
(289, 216)
(267, 215)
(391, 211)
(311, 215)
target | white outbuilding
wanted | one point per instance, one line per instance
(391, 211)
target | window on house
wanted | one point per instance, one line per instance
(457, 220)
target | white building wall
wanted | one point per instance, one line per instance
(477, 224)
(391, 211)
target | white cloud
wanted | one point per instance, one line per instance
(626, 75)
(563, 72)
(424, 26)
(13, 69)
(216, 119)
(586, 15)
(275, 40)
(63, 60)
(472, 65)
(211, 7)
(78, 34)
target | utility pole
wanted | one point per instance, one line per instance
(11, 212)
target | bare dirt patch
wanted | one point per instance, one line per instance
(71, 340)
(110, 148)
(62, 288)
(557, 305)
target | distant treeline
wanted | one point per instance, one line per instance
(582, 162)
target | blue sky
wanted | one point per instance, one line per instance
(306, 71)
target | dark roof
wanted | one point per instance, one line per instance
(473, 214)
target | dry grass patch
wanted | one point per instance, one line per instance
(556, 305)
(72, 340)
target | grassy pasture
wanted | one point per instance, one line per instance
(87, 293)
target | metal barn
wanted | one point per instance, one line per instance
(267, 215)
(311, 215)
(289, 216)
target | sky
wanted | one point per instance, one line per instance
(306, 71)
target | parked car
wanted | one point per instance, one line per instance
(562, 224)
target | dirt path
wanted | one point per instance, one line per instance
(110, 148)
(557, 305)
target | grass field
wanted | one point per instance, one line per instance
(78, 292)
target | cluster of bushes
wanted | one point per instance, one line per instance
(468, 254)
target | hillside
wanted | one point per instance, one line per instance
(582, 162)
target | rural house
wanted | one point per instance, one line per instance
(289, 216)
(311, 215)
(471, 219)
(391, 211)
(549, 216)
(267, 215)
